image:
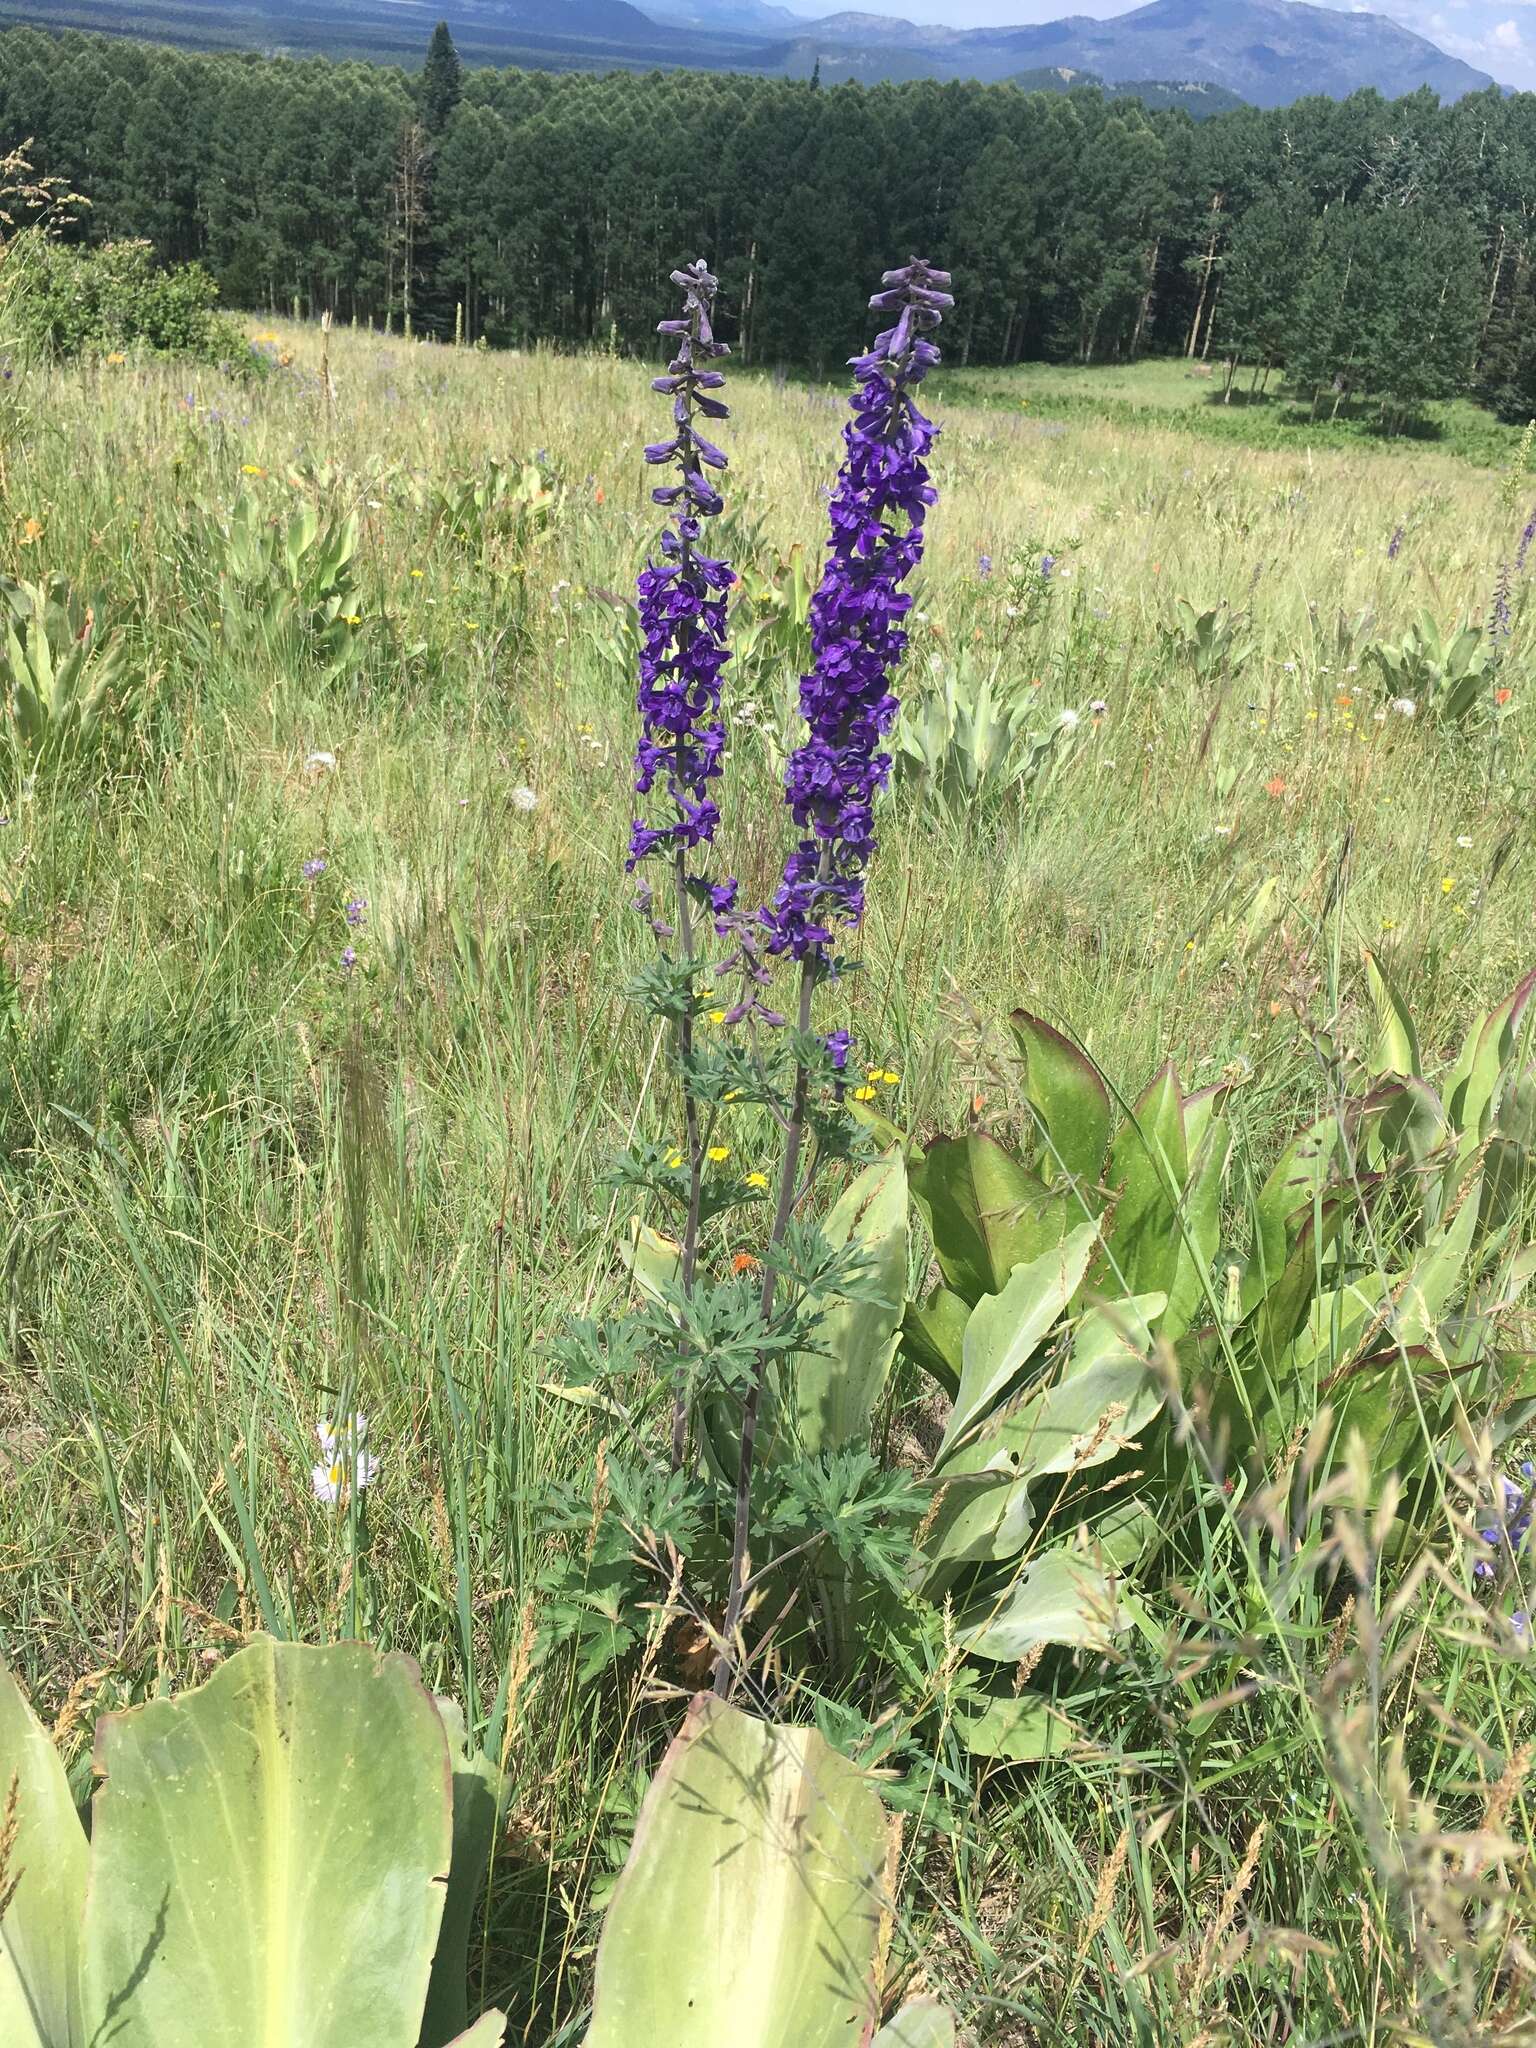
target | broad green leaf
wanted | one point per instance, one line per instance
(750, 1909)
(654, 1260)
(1064, 1086)
(40, 1934)
(1020, 1728)
(1473, 1085)
(1396, 1050)
(477, 1787)
(922, 2024)
(1198, 1225)
(833, 1389)
(1200, 1111)
(1427, 1288)
(983, 1512)
(1148, 1167)
(1408, 1121)
(933, 1335)
(1068, 1595)
(1280, 1313)
(1307, 1169)
(1106, 1394)
(1006, 1329)
(269, 1855)
(488, 2032)
(987, 1212)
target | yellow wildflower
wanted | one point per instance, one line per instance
(717, 1016)
(674, 1158)
(863, 1094)
(719, 1154)
(1447, 884)
(757, 1180)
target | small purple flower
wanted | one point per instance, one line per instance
(1498, 623)
(1047, 566)
(838, 1044)
(983, 566)
(1526, 537)
(858, 615)
(348, 959)
(683, 597)
(356, 912)
(312, 870)
(1395, 544)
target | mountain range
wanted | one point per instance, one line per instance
(1268, 52)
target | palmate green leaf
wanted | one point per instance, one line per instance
(833, 1390)
(40, 1934)
(1064, 1086)
(750, 1909)
(987, 1212)
(1007, 1328)
(269, 1855)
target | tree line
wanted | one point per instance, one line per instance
(1370, 249)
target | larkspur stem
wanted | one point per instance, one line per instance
(784, 1208)
(695, 1144)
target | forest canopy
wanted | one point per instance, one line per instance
(1368, 247)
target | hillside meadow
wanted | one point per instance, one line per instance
(314, 1048)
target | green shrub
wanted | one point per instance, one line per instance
(116, 300)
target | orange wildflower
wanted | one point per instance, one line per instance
(1503, 695)
(745, 1263)
(1275, 786)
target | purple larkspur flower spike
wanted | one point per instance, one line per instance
(858, 632)
(683, 596)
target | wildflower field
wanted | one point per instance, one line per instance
(326, 1012)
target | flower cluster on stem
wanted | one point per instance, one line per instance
(682, 596)
(858, 614)
(833, 777)
(683, 652)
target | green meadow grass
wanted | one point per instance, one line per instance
(240, 1186)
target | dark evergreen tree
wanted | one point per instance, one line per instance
(441, 86)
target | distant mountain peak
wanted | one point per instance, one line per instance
(1266, 51)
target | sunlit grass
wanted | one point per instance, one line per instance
(242, 1185)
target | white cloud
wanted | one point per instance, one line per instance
(1506, 36)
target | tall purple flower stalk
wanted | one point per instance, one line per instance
(1527, 535)
(682, 604)
(683, 595)
(858, 633)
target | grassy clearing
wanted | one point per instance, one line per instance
(1148, 392)
(241, 1184)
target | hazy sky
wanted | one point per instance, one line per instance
(1498, 36)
